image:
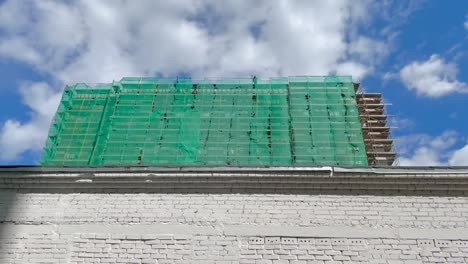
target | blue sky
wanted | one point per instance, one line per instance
(415, 53)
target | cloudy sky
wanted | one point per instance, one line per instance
(415, 52)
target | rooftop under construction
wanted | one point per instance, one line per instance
(289, 121)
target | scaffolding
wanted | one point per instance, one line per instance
(302, 120)
(379, 145)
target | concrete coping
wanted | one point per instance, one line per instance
(446, 181)
(232, 169)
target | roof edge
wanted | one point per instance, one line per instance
(341, 169)
(428, 181)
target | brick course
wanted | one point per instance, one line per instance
(96, 248)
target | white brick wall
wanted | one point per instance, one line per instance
(330, 216)
(209, 209)
(69, 240)
(34, 248)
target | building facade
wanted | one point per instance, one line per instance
(233, 215)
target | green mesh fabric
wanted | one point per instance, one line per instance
(154, 121)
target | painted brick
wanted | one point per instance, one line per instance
(219, 210)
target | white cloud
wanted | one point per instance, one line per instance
(100, 41)
(400, 122)
(424, 150)
(433, 77)
(16, 48)
(355, 69)
(422, 157)
(460, 157)
(444, 141)
(390, 76)
(368, 49)
(17, 137)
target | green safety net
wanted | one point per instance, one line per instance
(160, 121)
